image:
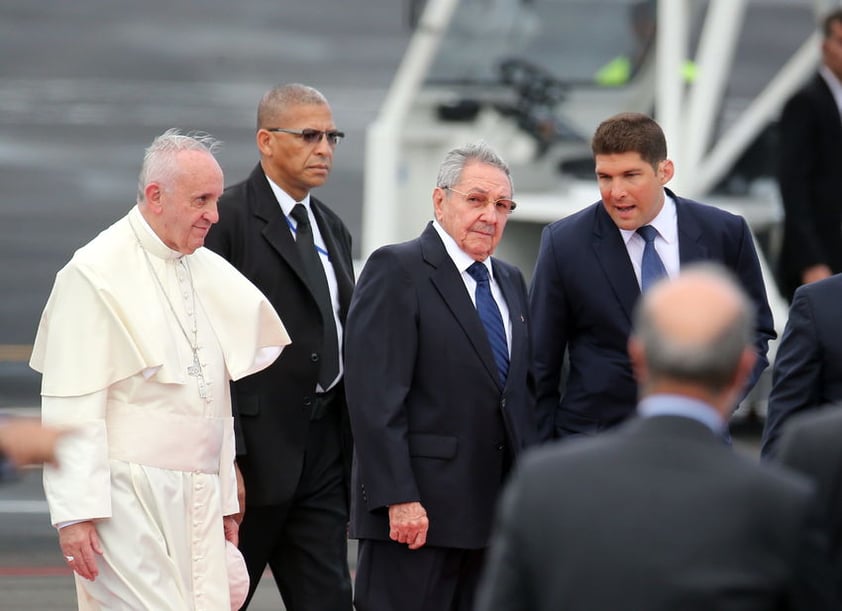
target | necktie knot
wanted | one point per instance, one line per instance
(478, 271)
(299, 213)
(648, 233)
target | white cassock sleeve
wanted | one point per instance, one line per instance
(79, 488)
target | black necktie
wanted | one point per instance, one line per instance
(315, 274)
(651, 266)
(489, 314)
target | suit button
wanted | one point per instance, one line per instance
(500, 446)
(314, 357)
(503, 402)
(308, 401)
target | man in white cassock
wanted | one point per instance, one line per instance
(138, 341)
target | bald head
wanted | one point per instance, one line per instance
(694, 330)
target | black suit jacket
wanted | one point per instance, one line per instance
(810, 444)
(658, 515)
(808, 367)
(273, 407)
(582, 298)
(431, 421)
(810, 150)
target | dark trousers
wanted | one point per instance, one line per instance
(392, 577)
(305, 541)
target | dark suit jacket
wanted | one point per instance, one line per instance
(658, 515)
(273, 406)
(808, 366)
(810, 149)
(582, 297)
(431, 421)
(810, 445)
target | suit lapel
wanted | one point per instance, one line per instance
(613, 257)
(691, 244)
(827, 104)
(276, 230)
(449, 284)
(344, 274)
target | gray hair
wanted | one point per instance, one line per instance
(450, 170)
(158, 163)
(711, 363)
(275, 101)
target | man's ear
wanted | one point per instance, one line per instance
(666, 170)
(438, 201)
(152, 196)
(263, 138)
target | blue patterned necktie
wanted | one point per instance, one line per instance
(489, 314)
(651, 266)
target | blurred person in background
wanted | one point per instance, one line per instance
(810, 155)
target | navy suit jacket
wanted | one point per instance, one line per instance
(431, 421)
(808, 367)
(583, 294)
(810, 149)
(272, 408)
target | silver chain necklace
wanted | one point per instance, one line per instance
(195, 368)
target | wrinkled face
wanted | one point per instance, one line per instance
(832, 49)
(632, 190)
(293, 164)
(184, 205)
(476, 229)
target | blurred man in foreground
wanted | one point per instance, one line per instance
(661, 514)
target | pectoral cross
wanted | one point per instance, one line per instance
(195, 370)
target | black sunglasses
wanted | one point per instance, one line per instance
(311, 136)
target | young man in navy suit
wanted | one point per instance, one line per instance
(592, 265)
(439, 393)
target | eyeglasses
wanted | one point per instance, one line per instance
(479, 201)
(311, 136)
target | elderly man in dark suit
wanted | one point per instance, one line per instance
(808, 368)
(660, 514)
(439, 394)
(294, 438)
(810, 155)
(593, 265)
(810, 445)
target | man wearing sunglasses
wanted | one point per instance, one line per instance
(293, 435)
